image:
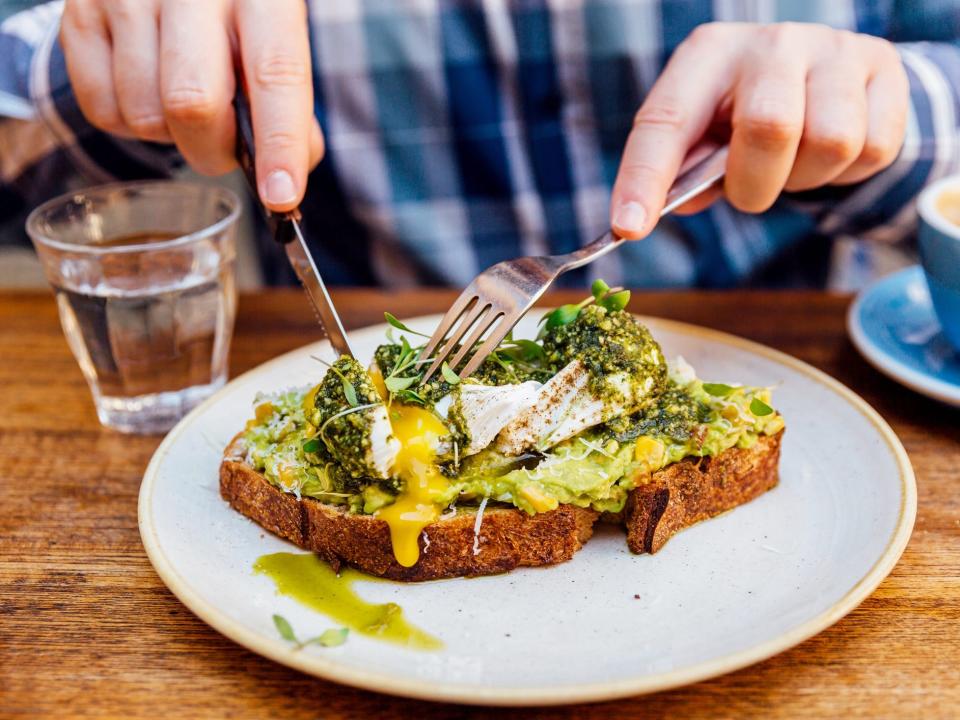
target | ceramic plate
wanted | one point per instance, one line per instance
(894, 327)
(719, 596)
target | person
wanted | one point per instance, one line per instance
(451, 135)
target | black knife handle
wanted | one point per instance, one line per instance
(279, 223)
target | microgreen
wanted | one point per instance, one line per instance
(759, 408)
(615, 301)
(348, 391)
(328, 638)
(449, 375)
(392, 320)
(599, 289)
(284, 628)
(563, 315)
(611, 299)
(717, 389)
(396, 384)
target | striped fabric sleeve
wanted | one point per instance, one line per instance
(41, 124)
(883, 208)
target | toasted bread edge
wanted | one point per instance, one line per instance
(671, 499)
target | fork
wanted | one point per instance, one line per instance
(503, 293)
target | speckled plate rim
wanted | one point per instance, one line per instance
(890, 366)
(329, 669)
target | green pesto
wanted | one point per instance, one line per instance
(675, 415)
(345, 435)
(456, 420)
(506, 367)
(609, 344)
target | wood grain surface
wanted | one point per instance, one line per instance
(88, 630)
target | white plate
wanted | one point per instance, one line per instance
(719, 596)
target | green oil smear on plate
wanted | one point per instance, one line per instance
(311, 582)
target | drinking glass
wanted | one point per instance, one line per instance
(143, 274)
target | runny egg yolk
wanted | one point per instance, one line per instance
(418, 431)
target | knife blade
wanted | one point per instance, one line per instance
(298, 253)
(286, 230)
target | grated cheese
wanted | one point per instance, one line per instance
(476, 526)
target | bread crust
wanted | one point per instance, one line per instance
(696, 489)
(668, 501)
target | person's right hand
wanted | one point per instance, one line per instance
(165, 71)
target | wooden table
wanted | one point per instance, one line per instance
(89, 630)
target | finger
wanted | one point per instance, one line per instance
(888, 96)
(276, 65)
(835, 122)
(197, 83)
(135, 34)
(317, 146)
(701, 202)
(87, 51)
(674, 115)
(768, 110)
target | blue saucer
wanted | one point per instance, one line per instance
(893, 325)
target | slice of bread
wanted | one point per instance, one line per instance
(672, 499)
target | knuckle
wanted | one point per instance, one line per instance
(769, 130)
(640, 175)
(280, 68)
(878, 154)
(834, 146)
(279, 139)
(662, 115)
(126, 9)
(706, 33)
(147, 126)
(79, 15)
(845, 41)
(190, 105)
(781, 33)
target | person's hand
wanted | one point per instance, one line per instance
(802, 105)
(165, 70)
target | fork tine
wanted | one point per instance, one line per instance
(495, 337)
(476, 313)
(462, 304)
(478, 332)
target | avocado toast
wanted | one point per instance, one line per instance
(510, 467)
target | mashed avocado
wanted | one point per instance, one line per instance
(595, 469)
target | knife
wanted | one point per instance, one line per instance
(286, 230)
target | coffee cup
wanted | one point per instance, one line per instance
(939, 209)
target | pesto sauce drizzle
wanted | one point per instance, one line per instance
(311, 582)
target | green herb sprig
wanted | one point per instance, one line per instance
(611, 299)
(328, 638)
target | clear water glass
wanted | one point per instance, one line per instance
(143, 274)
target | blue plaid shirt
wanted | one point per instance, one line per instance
(463, 133)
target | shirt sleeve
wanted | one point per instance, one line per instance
(46, 145)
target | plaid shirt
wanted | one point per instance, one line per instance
(462, 133)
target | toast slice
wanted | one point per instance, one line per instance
(673, 498)
(696, 489)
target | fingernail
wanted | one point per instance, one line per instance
(630, 217)
(279, 189)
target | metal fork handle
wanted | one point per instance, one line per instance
(697, 179)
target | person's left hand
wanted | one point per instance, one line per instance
(802, 105)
